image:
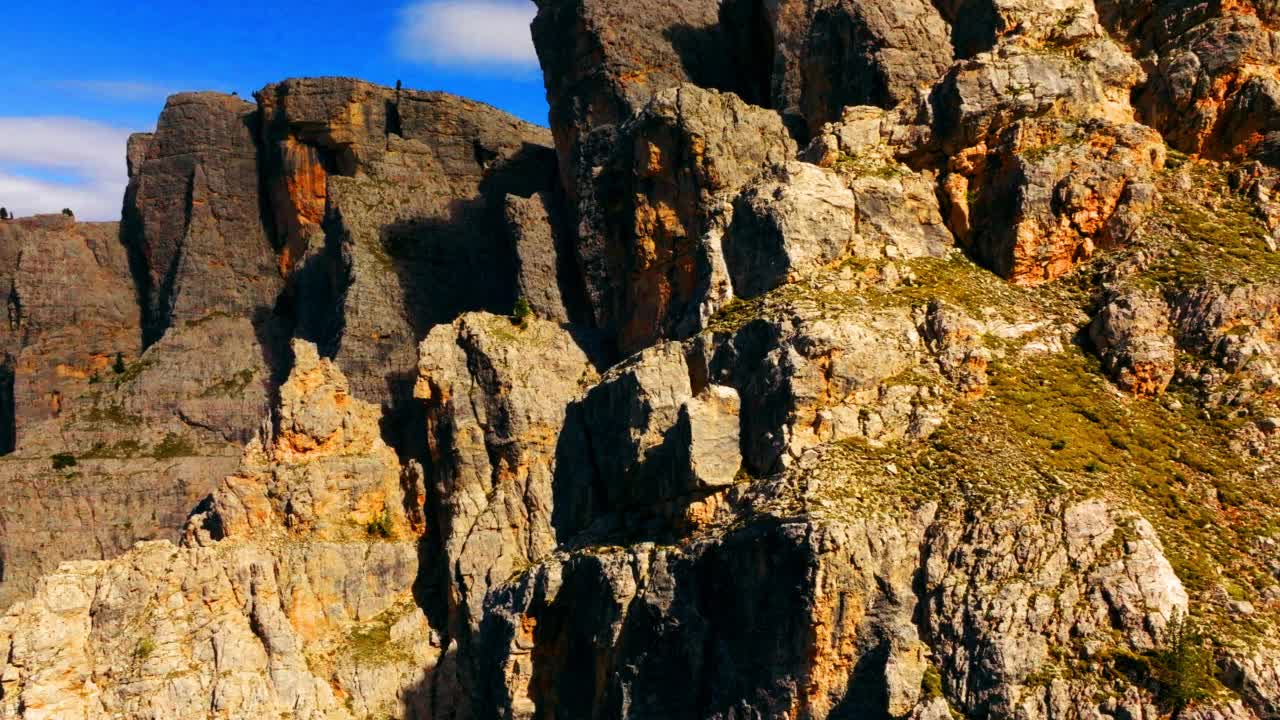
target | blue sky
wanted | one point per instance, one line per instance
(80, 76)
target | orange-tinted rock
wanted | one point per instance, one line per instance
(1051, 193)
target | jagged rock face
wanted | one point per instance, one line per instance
(497, 396)
(410, 188)
(546, 268)
(1214, 87)
(820, 56)
(681, 161)
(1119, 588)
(71, 312)
(1051, 193)
(291, 596)
(810, 381)
(818, 618)
(80, 390)
(800, 218)
(657, 441)
(603, 61)
(1132, 336)
(194, 215)
(96, 510)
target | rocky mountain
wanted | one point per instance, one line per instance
(824, 359)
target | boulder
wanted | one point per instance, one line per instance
(652, 440)
(1133, 336)
(801, 217)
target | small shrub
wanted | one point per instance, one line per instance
(4, 213)
(68, 213)
(118, 367)
(145, 647)
(1059, 445)
(173, 446)
(522, 312)
(62, 461)
(1184, 667)
(380, 527)
(931, 683)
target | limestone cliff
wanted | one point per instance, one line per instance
(823, 359)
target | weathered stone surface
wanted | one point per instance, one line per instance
(1234, 327)
(194, 214)
(95, 510)
(72, 311)
(410, 188)
(802, 217)
(680, 163)
(839, 599)
(1050, 193)
(603, 61)
(651, 438)
(957, 341)
(1132, 335)
(1213, 88)
(497, 396)
(985, 94)
(546, 271)
(293, 594)
(811, 58)
(147, 435)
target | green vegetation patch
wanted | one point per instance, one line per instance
(120, 450)
(62, 461)
(173, 446)
(233, 386)
(370, 644)
(1051, 426)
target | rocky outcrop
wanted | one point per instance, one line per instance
(546, 269)
(1132, 335)
(809, 60)
(108, 446)
(680, 163)
(194, 216)
(1051, 193)
(71, 313)
(656, 442)
(603, 62)
(1213, 89)
(859, 612)
(292, 594)
(800, 218)
(391, 208)
(497, 395)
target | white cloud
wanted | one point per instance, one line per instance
(48, 163)
(486, 33)
(121, 90)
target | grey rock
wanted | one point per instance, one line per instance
(809, 59)
(801, 218)
(194, 214)
(1133, 336)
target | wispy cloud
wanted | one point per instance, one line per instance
(475, 33)
(119, 90)
(48, 163)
